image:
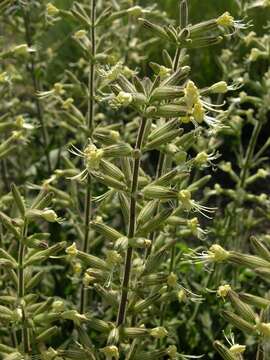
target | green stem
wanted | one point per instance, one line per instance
(131, 226)
(32, 69)
(21, 289)
(250, 152)
(90, 125)
(91, 78)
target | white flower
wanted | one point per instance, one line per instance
(226, 20)
(203, 159)
(72, 250)
(194, 225)
(92, 157)
(215, 254)
(123, 99)
(223, 290)
(189, 204)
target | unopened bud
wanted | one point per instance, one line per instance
(158, 332)
(111, 352)
(49, 215)
(237, 349)
(80, 34)
(220, 87)
(172, 280)
(58, 306)
(52, 10)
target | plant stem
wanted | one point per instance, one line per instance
(32, 69)
(250, 152)
(131, 226)
(21, 289)
(90, 125)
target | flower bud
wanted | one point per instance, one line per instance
(158, 332)
(135, 11)
(47, 334)
(58, 306)
(49, 215)
(237, 349)
(52, 10)
(163, 71)
(172, 352)
(111, 352)
(262, 173)
(74, 316)
(123, 99)
(22, 49)
(67, 104)
(172, 280)
(220, 87)
(80, 34)
(159, 192)
(134, 332)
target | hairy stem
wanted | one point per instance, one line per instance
(131, 226)
(21, 289)
(32, 69)
(250, 152)
(90, 125)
